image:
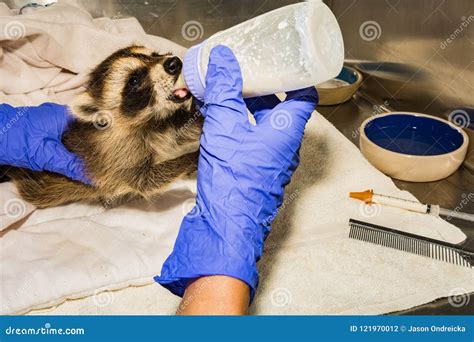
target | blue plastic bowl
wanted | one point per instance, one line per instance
(413, 147)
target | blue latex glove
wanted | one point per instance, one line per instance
(242, 172)
(30, 137)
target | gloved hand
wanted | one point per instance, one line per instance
(242, 172)
(30, 137)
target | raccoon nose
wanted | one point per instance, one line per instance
(173, 65)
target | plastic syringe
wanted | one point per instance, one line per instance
(370, 197)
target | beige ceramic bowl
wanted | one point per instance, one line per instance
(469, 161)
(440, 160)
(340, 93)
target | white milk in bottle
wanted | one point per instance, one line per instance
(290, 48)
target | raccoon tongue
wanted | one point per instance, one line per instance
(181, 93)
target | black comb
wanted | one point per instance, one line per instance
(411, 243)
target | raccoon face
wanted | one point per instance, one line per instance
(132, 86)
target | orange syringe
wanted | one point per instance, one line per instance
(369, 197)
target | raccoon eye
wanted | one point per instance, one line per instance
(133, 81)
(137, 77)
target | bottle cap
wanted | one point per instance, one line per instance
(192, 72)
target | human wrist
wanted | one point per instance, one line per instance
(215, 295)
(232, 247)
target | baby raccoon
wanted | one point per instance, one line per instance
(136, 132)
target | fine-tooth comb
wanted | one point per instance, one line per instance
(411, 243)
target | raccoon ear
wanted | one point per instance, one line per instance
(84, 107)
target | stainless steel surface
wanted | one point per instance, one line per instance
(415, 55)
(423, 49)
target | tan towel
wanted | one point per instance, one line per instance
(309, 267)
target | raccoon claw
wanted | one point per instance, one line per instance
(109, 203)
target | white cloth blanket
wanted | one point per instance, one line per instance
(85, 252)
(46, 54)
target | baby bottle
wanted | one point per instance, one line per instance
(289, 48)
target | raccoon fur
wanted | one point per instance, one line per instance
(134, 135)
